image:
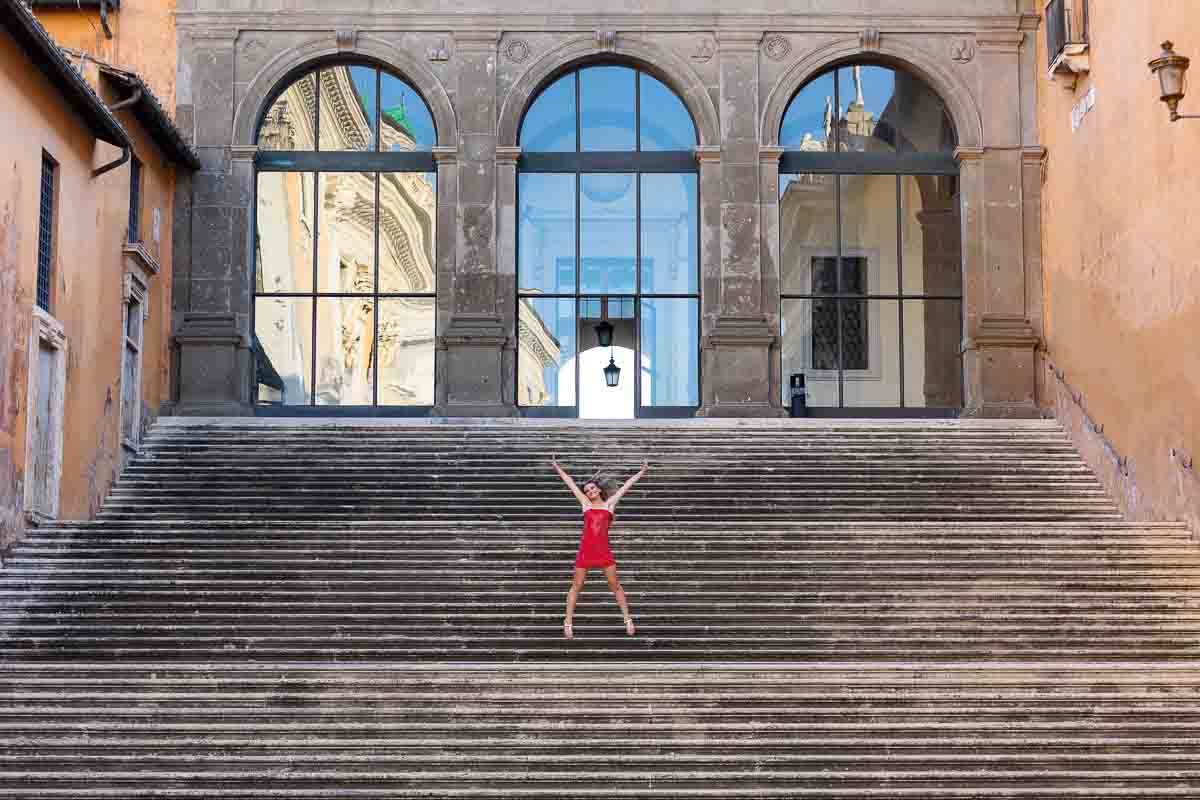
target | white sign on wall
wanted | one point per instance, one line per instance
(1085, 104)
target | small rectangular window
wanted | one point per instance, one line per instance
(135, 201)
(46, 231)
(1066, 23)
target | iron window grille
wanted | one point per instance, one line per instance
(46, 209)
(135, 201)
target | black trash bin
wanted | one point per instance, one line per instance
(799, 395)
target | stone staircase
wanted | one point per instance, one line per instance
(370, 609)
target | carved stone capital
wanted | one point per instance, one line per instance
(445, 155)
(770, 154)
(243, 152)
(965, 154)
(1033, 155)
(508, 155)
(1003, 330)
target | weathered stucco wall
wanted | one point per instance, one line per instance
(143, 39)
(1121, 206)
(88, 284)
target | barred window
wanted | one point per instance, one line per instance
(46, 231)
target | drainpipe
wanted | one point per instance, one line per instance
(104, 19)
(124, 157)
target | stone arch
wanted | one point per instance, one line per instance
(274, 75)
(660, 62)
(954, 91)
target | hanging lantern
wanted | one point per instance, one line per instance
(604, 332)
(612, 373)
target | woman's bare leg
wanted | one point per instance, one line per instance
(573, 595)
(614, 586)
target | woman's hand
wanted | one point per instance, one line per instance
(645, 466)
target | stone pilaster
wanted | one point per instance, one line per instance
(1000, 344)
(473, 343)
(739, 371)
(211, 330)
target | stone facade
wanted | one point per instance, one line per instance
(479, 65)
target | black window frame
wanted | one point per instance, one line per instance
(835, 166)
(637, 162)
(312, 163)
(47, 228)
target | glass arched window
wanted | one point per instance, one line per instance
(608, 229)
(870, 253)
(345, 215)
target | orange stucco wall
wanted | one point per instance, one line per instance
(89, 269)
(143, 40)
(1121, 255)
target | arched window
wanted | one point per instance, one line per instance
(608, 229)
(870, 254)
(345, 216)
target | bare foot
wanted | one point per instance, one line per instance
(568, 632)
(629, 629)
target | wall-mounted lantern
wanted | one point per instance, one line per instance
(1171, 69)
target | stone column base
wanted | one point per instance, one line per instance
(214, 366)
(1001, 369)
(475, 361)
(738, 375)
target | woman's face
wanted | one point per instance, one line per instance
(591, 491)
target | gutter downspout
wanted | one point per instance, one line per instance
(125, 149)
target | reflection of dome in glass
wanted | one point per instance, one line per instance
(602, 188)
(397, 117)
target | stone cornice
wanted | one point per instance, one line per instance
(140, 256)
(770, 154)
(1003, 331)
(477, 39)
(1033, 155)
(445, 155)
(708, 153)
(243, 152)
(1000, 41)
(485, 24)
(213, 35)
(734, 39)
(508, 154)
(962, 154)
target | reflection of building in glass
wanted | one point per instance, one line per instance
(374, 235)
(899, 239)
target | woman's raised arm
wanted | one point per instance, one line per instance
(619, 493)
(575, 490)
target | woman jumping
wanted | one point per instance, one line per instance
(593, 546)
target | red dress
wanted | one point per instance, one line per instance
(593, 546)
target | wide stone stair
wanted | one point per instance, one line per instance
(370, 609)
